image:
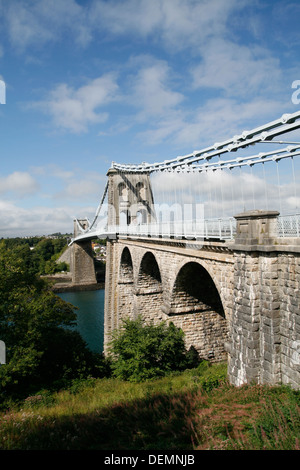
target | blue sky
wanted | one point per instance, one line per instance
(95, 81)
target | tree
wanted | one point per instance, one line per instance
(41, 253)
(142, 351)
(37, 327)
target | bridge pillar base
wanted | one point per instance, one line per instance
(255, 352)
(82, 264)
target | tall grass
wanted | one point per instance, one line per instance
(193, 410)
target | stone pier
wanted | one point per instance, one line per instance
(265, 329)
(82, 264)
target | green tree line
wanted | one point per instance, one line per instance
(43, 349)
(41, 253)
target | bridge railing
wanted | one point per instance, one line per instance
(288, 225)
(190, 229)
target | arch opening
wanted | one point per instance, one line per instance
(140, 191)
(195, 290)
(149, 289)
(149, 274)
(196, 307)
(126, 266)
(123, 192)
(141, 217)
(125, 286)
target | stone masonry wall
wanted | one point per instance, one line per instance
(289, 294)
(265, 333)
(254, 351)
(82, 264)
(259, 291)
(153, 297)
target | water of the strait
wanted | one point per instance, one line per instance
(90, 316)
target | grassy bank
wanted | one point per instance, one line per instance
(193, 410)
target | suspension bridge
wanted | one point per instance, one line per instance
(196, 188)
(211, 242)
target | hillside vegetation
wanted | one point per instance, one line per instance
(39, 253)
(149, 394)
(193, 410)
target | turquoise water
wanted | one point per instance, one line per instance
(90, 316)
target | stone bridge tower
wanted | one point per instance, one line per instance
(130, 198)
(130, 202)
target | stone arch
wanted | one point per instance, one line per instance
(123, 191)
(124, 213)
(194, 290)
(126, 266)
(140, 191)
(149, 288)
(141, 216)
(125, 285)
(196, 306)
(149, 272)
(124, 217)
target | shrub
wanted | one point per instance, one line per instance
(143, 351)
(211, 377)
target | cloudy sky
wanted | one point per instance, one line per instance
(89, 82)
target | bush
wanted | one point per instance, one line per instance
(211, 377)
(144, 351)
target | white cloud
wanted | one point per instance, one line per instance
(83, 189)
(236, 69)
(73, 185)
(151, 91)
(220, 119)
(17, 221)
(133, 16)
(35, 23)
(214, 121)
(24, 28)
(187, 24)
(177, 23)
(75, 109)
(52, 170)
(18, 183)
(174, 23)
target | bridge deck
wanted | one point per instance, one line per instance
(288, 226)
